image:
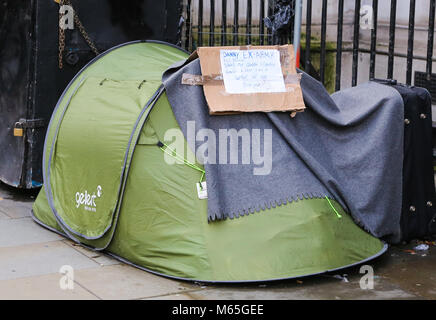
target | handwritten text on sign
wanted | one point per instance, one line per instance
(252, 71)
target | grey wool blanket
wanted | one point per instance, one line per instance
(347, 146)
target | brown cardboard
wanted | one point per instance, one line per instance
(222, 102)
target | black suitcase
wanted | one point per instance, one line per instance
(31, 80)
(418, 217)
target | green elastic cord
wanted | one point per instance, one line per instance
(331, 205)
(173, 154)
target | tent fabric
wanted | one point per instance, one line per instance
(348, 147)
(111, 101)
(151, 216)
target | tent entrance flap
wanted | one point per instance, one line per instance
(90, 154)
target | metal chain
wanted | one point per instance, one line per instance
(61, 39)
(85, 34)
(82, 30)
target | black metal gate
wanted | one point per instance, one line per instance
(31, 80)
(201, 29)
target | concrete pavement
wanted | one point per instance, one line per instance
(31, 257)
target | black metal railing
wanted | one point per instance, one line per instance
(251, 31)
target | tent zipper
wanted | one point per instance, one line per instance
(331, 205)
(173, 154)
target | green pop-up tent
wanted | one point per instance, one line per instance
(107, 186)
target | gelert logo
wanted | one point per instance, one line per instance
(88, 200)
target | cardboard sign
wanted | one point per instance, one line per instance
(252, 71)
(248, 79)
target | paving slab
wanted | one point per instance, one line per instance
(314, 288)
(325, 290)
(104, 260)
(44, 287)
(85, 251)
(411, 269)
(126, 282)
(177, 296)
(99, 257)
(40, 259)
(17, 232)
(3, 216)
(16, 209)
